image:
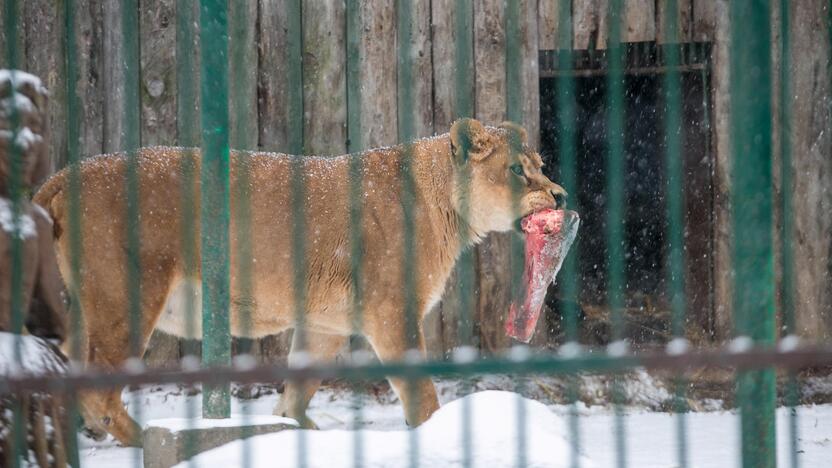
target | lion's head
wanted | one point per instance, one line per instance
(497, 176)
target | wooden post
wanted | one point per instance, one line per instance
(324, 78)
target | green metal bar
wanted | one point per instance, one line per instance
(464, 107)
(787, 224)
(674, 190)
(514, 113)
(615, 206)
(214, 210)
(406, 131)
(188, 134)
(75, 253)
(294, 46)
(16, 194)
(131, 112)
(567, 159)
(132, 141)
(354, 145)
(752, 204)
(294, 53)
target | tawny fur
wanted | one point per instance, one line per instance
(441, 170)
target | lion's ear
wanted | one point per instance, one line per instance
(469, 140)
(515, 129)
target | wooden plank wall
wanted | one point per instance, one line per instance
(260, 91)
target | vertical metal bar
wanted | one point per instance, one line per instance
(615, 206)
(464, 107)
(752, 205)
(294, 45)
(75, 253)
(674, 187)
(16, 194)
(214, 209)
(514, 113)
(132, 140)
(787, 225)
(243, 140)
(406, 131)
(567, 159)
(188, 137)
(354, 145)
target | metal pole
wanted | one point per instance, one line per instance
(752, 206)
(214, 191)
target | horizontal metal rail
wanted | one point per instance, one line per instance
(748, 359)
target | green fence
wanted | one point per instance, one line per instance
(221, 212)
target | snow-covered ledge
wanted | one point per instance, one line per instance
(172, 440)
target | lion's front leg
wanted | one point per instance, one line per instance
(321, 348)
(418, 396)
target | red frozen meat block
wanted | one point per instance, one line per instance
(549, 235)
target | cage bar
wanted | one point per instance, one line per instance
(215, 201)
(752, 205)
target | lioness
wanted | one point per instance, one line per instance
(492, 164)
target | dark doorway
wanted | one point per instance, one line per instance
(645, 187)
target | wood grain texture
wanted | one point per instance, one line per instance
(723, 321)
(324, 78)
(705, 19)
(45, 58)
(547, 24)
(90, 46)
(443, 54)
(587, 21)
(242, 92)
(113, 77)
(812, 168)
(272, 92)
(422, 70)
(638, 21)
(157, 84)
(530, 75)
(378, 73)
(684, 16)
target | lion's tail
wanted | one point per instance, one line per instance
(51, 198)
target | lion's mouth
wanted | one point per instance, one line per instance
(549, 235)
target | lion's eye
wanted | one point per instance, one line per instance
(517, 169)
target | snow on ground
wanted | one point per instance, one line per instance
(651, 438)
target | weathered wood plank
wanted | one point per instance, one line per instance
(530, 74)
(45, 58)
(113, 77)
(547, 24)
(705, 17)
(378, 73)
(812, 167)
(324, 78)
(89, 45)
(493, 262)
(272, 92)
(684, 17)
(242, 93)
(158, 72)
(638, 21)
(587, 21)
(422, 69)
(720, 91)
(442, 50)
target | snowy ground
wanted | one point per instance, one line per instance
(713, 436)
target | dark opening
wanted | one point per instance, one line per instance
(645, 186)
